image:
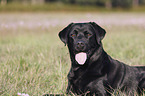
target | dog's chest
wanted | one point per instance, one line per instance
(85, 82)
(79, 85)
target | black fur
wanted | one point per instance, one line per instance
(100, 75)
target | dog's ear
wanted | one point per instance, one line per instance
(100, 32)
(63, 34)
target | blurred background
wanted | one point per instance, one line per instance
(46, 5)
(34, 61)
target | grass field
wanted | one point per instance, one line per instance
(34, 61)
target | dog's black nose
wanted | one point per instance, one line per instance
(80, 45)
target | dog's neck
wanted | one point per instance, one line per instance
(96, 55)
(96, 59)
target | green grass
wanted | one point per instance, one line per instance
(32, 64)
(34, 61)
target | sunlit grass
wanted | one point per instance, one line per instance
(34, 61)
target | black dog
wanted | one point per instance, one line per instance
(93, 71)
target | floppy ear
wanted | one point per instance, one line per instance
(63, 34)
(100, 32)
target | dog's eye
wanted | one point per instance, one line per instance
(89, 34)
(73, 35)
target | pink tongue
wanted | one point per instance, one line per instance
(81, 58)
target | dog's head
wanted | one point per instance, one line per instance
(82, 39)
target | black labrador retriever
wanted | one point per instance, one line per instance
(93, 71)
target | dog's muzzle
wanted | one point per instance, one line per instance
(80, 46)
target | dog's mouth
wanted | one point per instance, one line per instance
(81, 58)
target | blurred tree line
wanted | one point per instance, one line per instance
(103, 3)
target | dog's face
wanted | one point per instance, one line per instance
(82, 39)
